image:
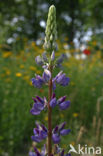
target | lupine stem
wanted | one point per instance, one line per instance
(50, 116)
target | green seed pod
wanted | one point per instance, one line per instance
(51, 32)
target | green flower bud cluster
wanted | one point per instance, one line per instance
(51, 32)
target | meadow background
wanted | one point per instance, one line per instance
(80, 33)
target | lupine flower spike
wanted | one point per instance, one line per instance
(48, 61)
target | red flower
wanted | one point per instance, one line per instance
(86, 51)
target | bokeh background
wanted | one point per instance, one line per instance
(80, 38)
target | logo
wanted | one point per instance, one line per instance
(85, 150)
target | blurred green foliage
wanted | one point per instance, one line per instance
(26, 18)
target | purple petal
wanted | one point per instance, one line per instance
(62, 99)
(37, 82)
(61, 59)
(60, 78)
(38, 77)
(40, 99)
(46, 75)
(57, 150)
(58, 75)
(36, 138)
(56, 138)
(54, 85)
(61, 126)
(65, 131)
(39, 106)
(34, 111)
(39, 60)
(44, 128)
(32, 154)
(53, 102)
(43, 151)
(45, 57)
(35, 131)
(55, 129)
(43, 134)
(64, 105)
(34, 99)
(68, 154)
(65, 81)
(53, 96)
(62, 153)
(37, 152)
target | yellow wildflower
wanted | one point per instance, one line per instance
(7, 54)
(8, 72)
(21, 66)
(32, 68)
(46, 118)
(75, 115)
(18, 74)
(66, 38)
(38, 71)
(30, 83)
(73, 143)
(94, 43)
(26, 77)
(33, 44)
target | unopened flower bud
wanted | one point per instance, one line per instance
(53, 56)
(51, 32)
(39, 60)
(46, 75)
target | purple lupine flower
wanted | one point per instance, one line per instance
(32, 154)
(61, 126)
(37, 153)
(38, 81)
(54, 84)
(57, 149)
(56, 138)
(46, 75)
(45, 57)
(65, 132)
(62, 153)
(38, 106)
(62, 103)
(45, 66)
(60, 60)
(59, 131)
(62, 79)
(39, 133)
(43, 150)
(39, 60)
(68, 154)
(53, 101)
